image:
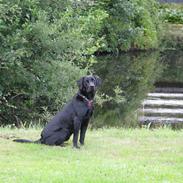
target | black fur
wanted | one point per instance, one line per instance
(74, 117)
(23, 141)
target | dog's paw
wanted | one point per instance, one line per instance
(76, 147)
(82, 143)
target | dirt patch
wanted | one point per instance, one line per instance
(8, 136)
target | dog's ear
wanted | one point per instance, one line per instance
(80, 83)
(98, 80)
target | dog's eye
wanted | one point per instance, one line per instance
(87, 81)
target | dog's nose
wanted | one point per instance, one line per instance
(92, 87)
(92, 84)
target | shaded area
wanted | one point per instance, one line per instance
(165, 105)
(135, 74)
(173, 74)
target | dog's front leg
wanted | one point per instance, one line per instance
(77, 125)
(84, 126)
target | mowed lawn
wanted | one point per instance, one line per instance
(109, 156)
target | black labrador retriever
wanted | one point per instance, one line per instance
(74, 117)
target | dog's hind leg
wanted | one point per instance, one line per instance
(62, 137)
(57, 138)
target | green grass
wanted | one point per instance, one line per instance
(110, 156)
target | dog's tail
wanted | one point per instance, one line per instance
(26, 141)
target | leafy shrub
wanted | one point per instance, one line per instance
(47, 45)
(42, 48)
(131, 24)
(173, 15)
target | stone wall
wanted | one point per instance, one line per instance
(171, 1)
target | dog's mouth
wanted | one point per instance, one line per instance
(91, 89)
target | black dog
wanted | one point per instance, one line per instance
(73, 118)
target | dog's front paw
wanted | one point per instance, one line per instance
(76, 147)
(82, 143)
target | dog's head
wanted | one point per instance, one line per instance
(89, 83)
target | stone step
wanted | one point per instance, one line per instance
(168, 90)
(159, 119)
(161, 106)
(163, 111)
(164, 106)
(165, 95)
(161, 102)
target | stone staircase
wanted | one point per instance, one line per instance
(164, 106)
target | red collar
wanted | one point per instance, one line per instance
(89, 102)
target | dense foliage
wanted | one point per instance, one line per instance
(172, 13)
(135, 74)
(172, 16)
(41, 50)
(131, 24)
(47, 45)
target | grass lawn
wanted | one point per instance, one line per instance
(110, 156)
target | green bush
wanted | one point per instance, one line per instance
(172, 13)
(173, 16)
(47, 45)
(42, 48)
(131, 24)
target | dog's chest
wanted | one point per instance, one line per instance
(83, 111)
